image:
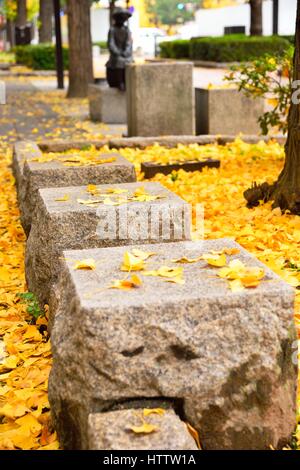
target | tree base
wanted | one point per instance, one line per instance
(283, 197)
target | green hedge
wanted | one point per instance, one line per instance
(232, 48)
(39, 57)
(179, 49)
(291, 39)
(101, 44)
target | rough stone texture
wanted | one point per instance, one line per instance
(227, 111)
(107, 104)
(166, 141)
(251, 139)
(65, 225)
(23, 150)
(111, 431)
(143, 142)
(160, 99)
(64, 145)
(38, 175)
(226, 357)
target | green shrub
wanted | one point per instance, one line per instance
(179, 49)
(39, 57)
(232, 48)
(236, 48)
(290, 38)
(101, 44)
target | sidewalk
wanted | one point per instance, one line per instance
(36, 110)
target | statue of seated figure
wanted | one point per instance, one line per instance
(120, 48)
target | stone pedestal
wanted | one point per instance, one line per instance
(32, 174)
(160, 99)
(113, 431)
(106, 219)
(227, 111)
(225, 358)
(107, 104)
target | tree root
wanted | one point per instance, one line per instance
(257, 193)
(282, 196)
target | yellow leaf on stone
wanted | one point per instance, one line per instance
(88, 264)
(166, 271)
(215, 260)
(185, 260)
(143, 255)
(226, 251)
(145, 428)
(248, 276)
(194, 434)
(236, 285)
(116, 191)
(89, 202)
(132, 262)
(155, 411)
(127, 284)
(118, 202)
(64, 198)
(176, 280)
(92, 189)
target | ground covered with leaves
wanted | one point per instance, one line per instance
(25, 357)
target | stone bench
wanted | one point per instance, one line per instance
(224, 358)
(160, 99)
(60, 224)
(227, 111)
(107, 104)
(112, 431)
(31, 175)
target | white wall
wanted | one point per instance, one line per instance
(287, 16)
(211, 22)
(100, 24)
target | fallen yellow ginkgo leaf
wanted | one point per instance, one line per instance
(64, 198)
(92, 189)
(248, 276)
(185, 260)
(215, 260)
(194, 433)
(145, 428)
(127, 284)
(132, 262)
(88, 264)
(151, 411)
(143, 255)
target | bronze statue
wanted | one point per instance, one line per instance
(120, 48)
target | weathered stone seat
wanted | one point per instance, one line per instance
(112, 431)
(60, 224)
(31, 175)
(224, 357)
(107, 104)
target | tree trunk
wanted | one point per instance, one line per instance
(256, 7)
(285, 193)
(10, 32)
(45, 20)
(21, 19)
(80, 48)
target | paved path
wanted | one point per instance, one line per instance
(36, 110)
